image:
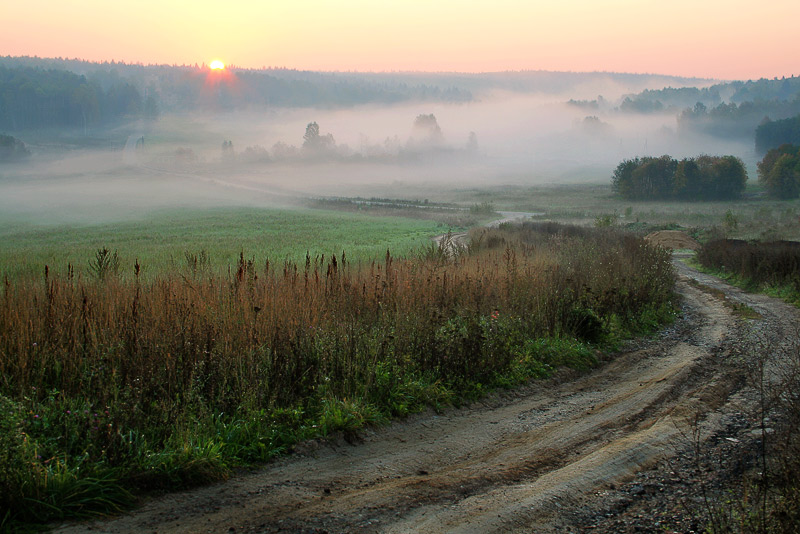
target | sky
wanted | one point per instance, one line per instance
(733, 39)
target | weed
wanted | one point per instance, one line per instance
(104, 264)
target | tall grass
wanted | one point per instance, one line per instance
(120, 382)
(774, 266)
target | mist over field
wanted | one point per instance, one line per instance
(229, 148)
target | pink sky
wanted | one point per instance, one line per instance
(734, 39)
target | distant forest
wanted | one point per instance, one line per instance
(727, 110)
(39, 92)
(32, 98)
(773, 134)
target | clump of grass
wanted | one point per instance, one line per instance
(170, 381)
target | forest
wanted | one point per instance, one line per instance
(772, 134)
(32, 98)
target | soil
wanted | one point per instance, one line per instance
(632, 446)
(673, 240)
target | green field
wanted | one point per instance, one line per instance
(755, 216)
(162, 242)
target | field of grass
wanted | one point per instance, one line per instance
(753, 217)
(162, 242)
(110, 386)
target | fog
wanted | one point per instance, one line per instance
(179, 161)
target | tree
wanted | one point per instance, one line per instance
(622, 181)
(426, 131)
(316, 143)
(728, 178)
(228, 153)
(12, 149)
(311, 137)
(779, 171)
(773, 134)
(281, 150)
(654, 177)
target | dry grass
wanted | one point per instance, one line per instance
(114, 370)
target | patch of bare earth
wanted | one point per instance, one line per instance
(609, 451)
(673, 239)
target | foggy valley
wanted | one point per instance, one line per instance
(553, 128)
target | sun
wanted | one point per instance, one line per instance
(216, 65)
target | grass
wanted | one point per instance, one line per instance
(753, 217)
(119, 385)
(769, 267)
(162, 242)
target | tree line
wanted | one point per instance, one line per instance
(665, 178)
(772, 134)
(186, 88)
(33, 98)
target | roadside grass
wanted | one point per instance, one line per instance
(119, 385)
(772, 268)
(211, 239)
(765, 498)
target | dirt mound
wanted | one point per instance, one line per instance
(673, 239)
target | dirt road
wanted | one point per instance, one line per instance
(536, 460)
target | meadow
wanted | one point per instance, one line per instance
(755, 216)
(176, 239)
(112, 385)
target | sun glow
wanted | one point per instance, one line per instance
(216, 65)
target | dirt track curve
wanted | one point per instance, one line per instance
(517, 462)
